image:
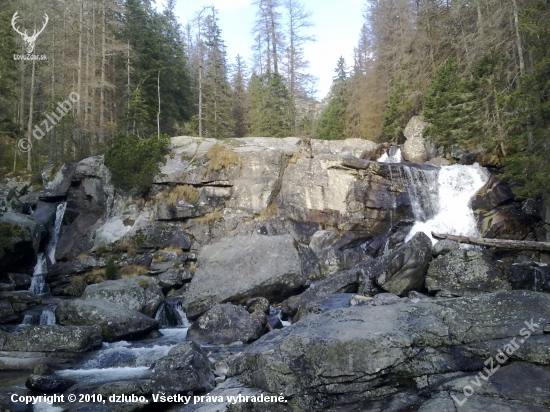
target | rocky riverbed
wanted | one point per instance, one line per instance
(266, 274)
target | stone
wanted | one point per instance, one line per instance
(53, 338)
(445, 246)
(402, 270)
(248, 266)
(185, 369)
(259, 304)
(223, 324)
(112, 231)
(57, 188)
(415, 147)
(173, 278)
(115, 321)
(358, 355)
(162, 235)
(140, 293)
(48, 383)
(19, 281)
(466, 273)
(23, 243)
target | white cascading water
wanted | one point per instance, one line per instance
(171, 313)
(394, 155)
(455, 186)
(47, 317)
(38, 281)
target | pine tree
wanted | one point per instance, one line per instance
(331, 124)
(239, 99)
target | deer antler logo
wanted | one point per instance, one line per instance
(29, 40)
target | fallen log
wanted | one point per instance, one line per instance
(497, 243)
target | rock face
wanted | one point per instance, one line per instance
(225, 324)
(356, 357)
(248, 266)
(48, 383)
(466, 273)
(186, 368)
(416, 147)
(57, 188)
(54, 338)
(24, 239)
(141, 293)
(115, 321)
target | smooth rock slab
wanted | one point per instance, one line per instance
(115, 321)
(237, 269)
(141, 293)
(374, 350)
(53, 338)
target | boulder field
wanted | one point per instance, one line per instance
(298, 256)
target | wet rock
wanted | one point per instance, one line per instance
(225, 323)
(186, 368)
(259, 304)
(53, 338)
(76, 237)
(466, 273)
(116, 321)
(13, 303)
(138, 388)
(240, 268)
(273, 322)
(141, 293)
(25, 235)
(19, 281)
(48, 383)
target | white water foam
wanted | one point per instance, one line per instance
(453, 215)
(98, 375)
(394, 156)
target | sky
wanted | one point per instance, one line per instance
(337, 24)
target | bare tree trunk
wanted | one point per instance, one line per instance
(518, 39)
(497, 243)
(29, 124)
(52, 140)
(103, 69)
(158, 112)
(128, 88)
(79, 81)
(273, 38)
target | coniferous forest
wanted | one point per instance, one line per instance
(478, 71)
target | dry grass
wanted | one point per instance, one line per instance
(83, 256)
(220, 158)
(160, 259)
(175, 250)
(193, 268)
(125, 246)
(295, 157)
(186, 192)
(143, 283)
(209, 218)
(131, 271)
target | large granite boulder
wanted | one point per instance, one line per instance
(466, 273)
(358, 356)
(225, 323)
(185, 369)
(115, 321)
(416, 147)
(13, 303)
(140, 293)
(240, 268)
(56, 189)
(52, 338)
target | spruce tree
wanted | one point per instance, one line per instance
(332, 121)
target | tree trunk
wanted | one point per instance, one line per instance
(518, 39)
(103, 69)
(158, 112)
(29, 124)
(497, 243)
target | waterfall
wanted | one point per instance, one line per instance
(171, 313)
(47, 317)
(392, 155)
(423, 191)
(38, 282)
(444, 207)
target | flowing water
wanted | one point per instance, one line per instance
(449, 210)
(171, 313)
(392, 155)
(47, 258)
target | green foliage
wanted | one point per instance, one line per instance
(398, 112)
(134, 162)
(111, 270)
(8, 232)
(333, 118)
(270, 104)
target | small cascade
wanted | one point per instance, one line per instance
(422, 186)
(47, 258)
(445, 206)
(47, 317)
(392, 155)
(171, 313)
